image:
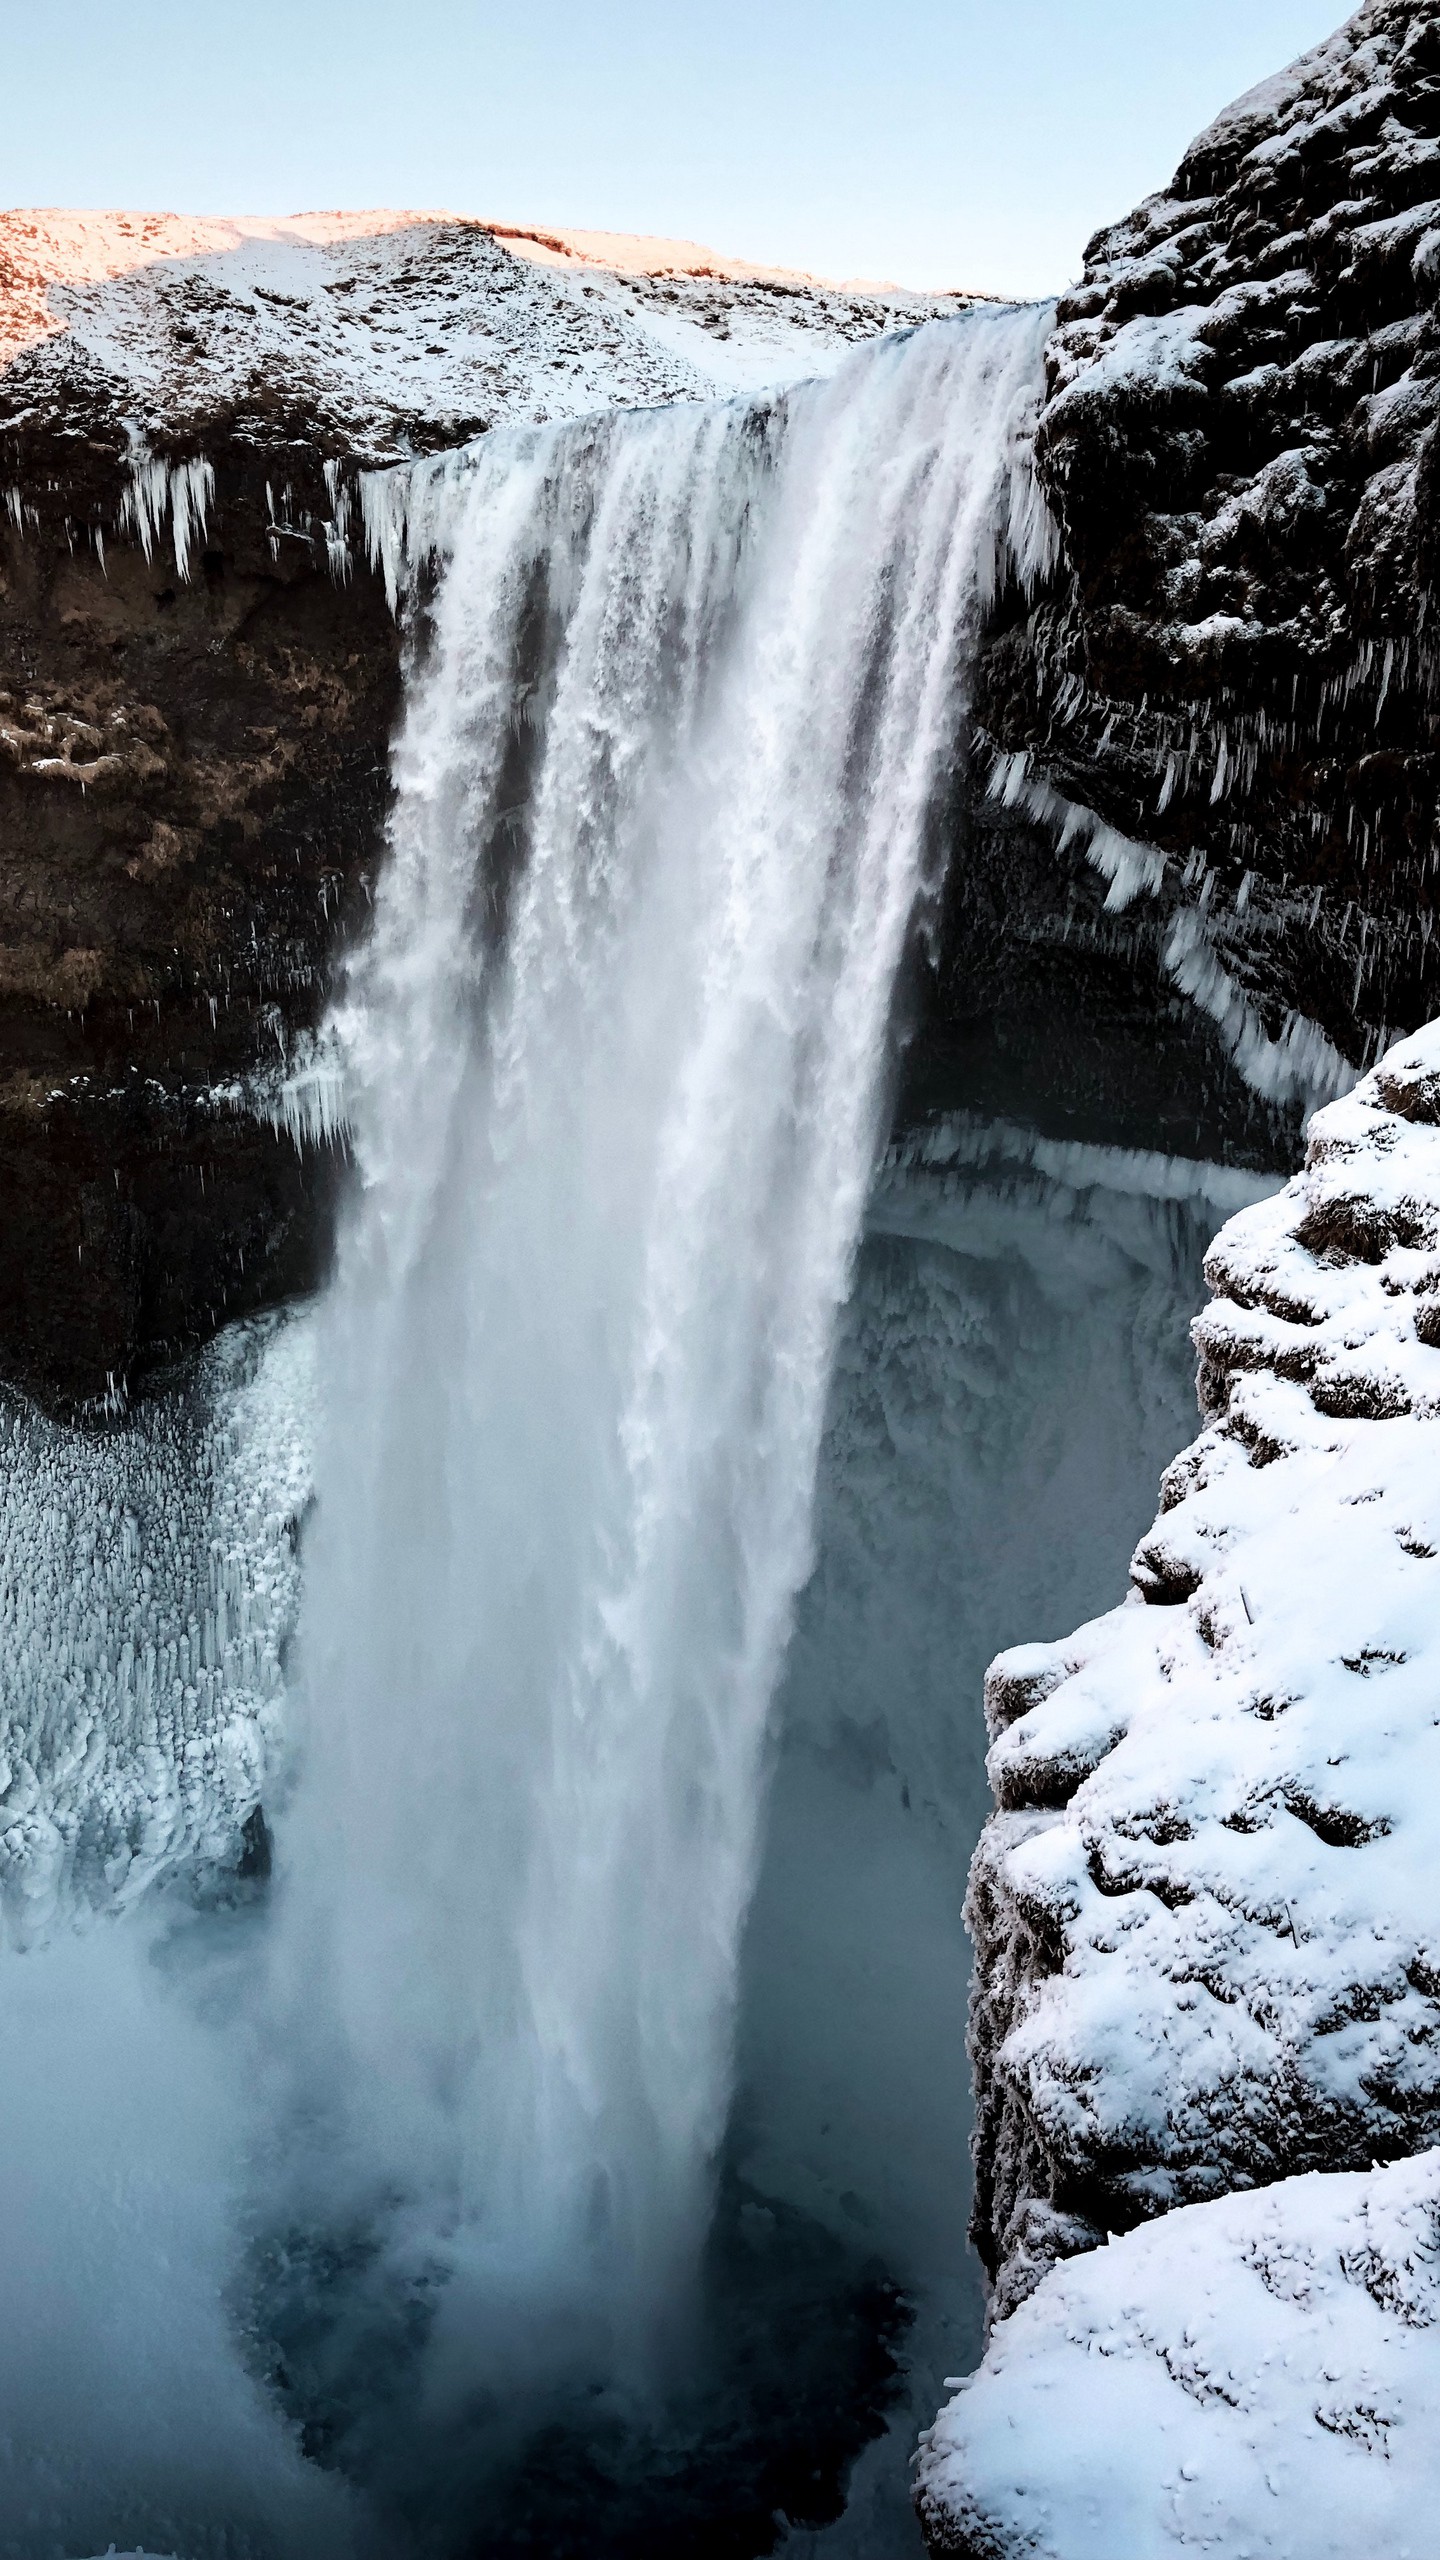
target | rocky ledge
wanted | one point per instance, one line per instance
(1206, 1945)
(1256, 2378)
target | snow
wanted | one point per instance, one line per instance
(391, 331)
(1256, 2378)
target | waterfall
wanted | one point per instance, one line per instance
(682, 688)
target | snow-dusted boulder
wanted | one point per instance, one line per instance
(1207, 1935)
(1256, 2378)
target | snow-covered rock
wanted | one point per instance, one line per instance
(1255, 2378)
(1207, 1939)
(1207, 1942)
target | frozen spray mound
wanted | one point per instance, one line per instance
(614, 1060)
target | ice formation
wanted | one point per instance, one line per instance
(1299, 1065)
(155, 489)
(148, 1585)
(613, 1065)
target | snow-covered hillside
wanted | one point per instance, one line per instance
(397, 331)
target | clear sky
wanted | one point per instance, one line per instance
(974, 143)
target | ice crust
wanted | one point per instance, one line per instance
(1256, 2378)
(1207, 1950)
(148, 1584)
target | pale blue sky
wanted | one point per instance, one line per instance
(975, 143)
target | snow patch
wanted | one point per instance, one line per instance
(1257, 2377)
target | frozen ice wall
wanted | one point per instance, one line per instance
(148, 1578)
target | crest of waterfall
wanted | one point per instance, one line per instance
(679, 705)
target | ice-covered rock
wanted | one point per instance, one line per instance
(1256, 2377)
(1206, 1937)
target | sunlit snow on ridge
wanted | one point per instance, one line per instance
(387, 325)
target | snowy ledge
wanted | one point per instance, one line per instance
(1207, 1939)
(1258, 2376)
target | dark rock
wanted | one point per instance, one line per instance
(192, 783)
(1237, 664)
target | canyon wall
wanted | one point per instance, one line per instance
(1204, 2017)
(1236, 664)
(199, 674)
(1187, 887)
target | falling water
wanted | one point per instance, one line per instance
(678, 708)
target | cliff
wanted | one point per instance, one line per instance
(1236, 666)
(1191, 838)
(198, 679)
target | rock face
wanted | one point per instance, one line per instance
(1204, 1920)
(1237, 665)
(198, 680)
(191, 786)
